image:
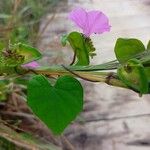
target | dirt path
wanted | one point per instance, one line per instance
(114, 118)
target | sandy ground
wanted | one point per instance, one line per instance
(113, 118)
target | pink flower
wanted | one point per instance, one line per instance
(90, 22)
(33, 64)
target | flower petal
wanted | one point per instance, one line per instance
(90, 22)
(33, 64)
(98, 22)
(79, 16)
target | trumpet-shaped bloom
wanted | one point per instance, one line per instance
(90, 22)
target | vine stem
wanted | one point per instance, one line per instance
(109, 78)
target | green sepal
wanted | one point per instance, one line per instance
(126, 49)
(30, 53)
(89, 46)
(134, 76)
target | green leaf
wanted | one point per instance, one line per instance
(56, 105)
(147, 71)
(30, 53)
(148, 45)
(126, 49)
(134, 76)
(82, 47)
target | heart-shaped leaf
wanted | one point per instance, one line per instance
(133, 75)
(126, 49)
(56, 105)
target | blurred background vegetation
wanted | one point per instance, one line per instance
(20, 19)
(20, 22)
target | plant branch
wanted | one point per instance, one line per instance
(107, 77)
